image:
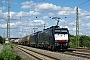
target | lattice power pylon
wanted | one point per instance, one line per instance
(8, 21)
(77, 28)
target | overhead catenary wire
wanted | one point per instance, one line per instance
(37, 8)
(83, 2)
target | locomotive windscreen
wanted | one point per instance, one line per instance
(64, 31)
(61, 31)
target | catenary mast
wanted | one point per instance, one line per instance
(77, 28)
(8, 21)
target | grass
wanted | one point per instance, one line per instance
(7, 53)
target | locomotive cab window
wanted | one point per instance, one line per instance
(61, 32)
(64, 32)
(57, 31)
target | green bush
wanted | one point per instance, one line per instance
(1, 40)
(7, 53)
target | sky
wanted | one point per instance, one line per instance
(25, 15)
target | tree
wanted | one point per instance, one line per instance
(84, 41)
(72, 41)
(81, 40)
(1, 40)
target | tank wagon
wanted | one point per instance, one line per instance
(53, 38)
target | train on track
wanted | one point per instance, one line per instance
(53, 38)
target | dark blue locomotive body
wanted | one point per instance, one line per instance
(53, 38)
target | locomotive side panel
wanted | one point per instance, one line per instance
(51, 37)
(46, 38)
(40, 38)
(32, 40)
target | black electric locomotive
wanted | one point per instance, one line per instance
(53, 38)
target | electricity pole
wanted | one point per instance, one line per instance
(77, 28)
(8, 21)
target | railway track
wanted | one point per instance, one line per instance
(40, 54)
(36, 55)
(79, 54)
(84, 53)
(80, 49)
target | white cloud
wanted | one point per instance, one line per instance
(51, 14)
(28, 4)
(67, 11)
(63, 13)
(45, 17)
(45, 10)
(62, 21)
(88, 17)
(3, 25)
(2, 8)
(47, 7)
(12, 14)
(25, 6)
(3, 1)
(38, 22)
(88, 24)
(27, 14)
(34, 13)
